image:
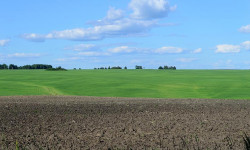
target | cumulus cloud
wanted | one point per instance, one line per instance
(82, 47)
(114, 14)
(115, 24)
(84, 51)
(198, 50)
(246, 45)
(90, 53)
(4, 42)
(34, 37)
(124, 27)
(150, 9)
(245, 29)
(225, 48)
(24, 55)
(163, 50)
(122, 49)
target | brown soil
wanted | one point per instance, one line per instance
(63, 122)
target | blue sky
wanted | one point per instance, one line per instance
(86, 34)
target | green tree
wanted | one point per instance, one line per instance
(3, 66)
(166, 67)
(118, 67)
(12, 66)
(160, 67)
(138, 67)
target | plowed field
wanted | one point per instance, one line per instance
(65, 122)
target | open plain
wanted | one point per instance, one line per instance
(204, 84)
(67, 122)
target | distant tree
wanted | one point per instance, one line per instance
(160, 67)
(138, 67)
(165, 67)
(34, 66)
(109, 67)
(105, 67)
(125, 67)
(118, 67)
(74, 68)
(26, 67)
(40, 66)
(57, 69)
(12, 66)
(80, 68)
(172, 68)
(4, 66)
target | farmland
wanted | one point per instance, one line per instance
(209, 84)
(73, 122)
(124, 109)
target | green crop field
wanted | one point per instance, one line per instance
(221, 84)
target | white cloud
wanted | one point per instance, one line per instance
(150, 9)
(198, 50)
(245, 29)
(163, 50)
(225, 48)
(82, 47)
(4, 42)
(124, 27)
(115, 24)
(246, 45)
(93, 54)
(24, 55)
(34, 37)
(121, 49)
(186, 60)
(114, 14)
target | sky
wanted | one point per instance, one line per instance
(188, 34)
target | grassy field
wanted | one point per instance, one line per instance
(221, 84)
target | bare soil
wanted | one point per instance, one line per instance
(67, 122)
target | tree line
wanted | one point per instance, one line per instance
(139, 67)
(34, 66)
(167, 67)
(50, 67)
(115, 67)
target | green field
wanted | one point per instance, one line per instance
(221, 84)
